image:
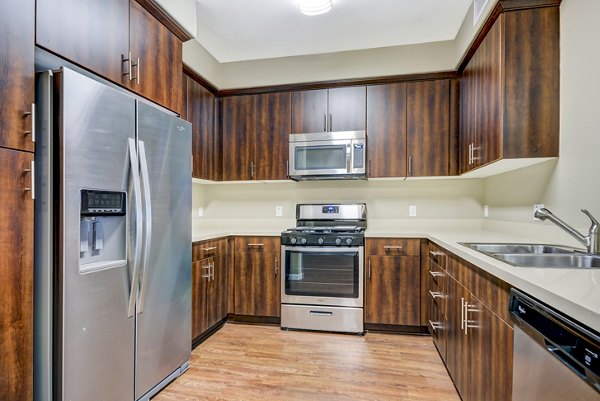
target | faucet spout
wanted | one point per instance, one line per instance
(545, 214)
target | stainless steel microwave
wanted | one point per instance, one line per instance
(328, 156)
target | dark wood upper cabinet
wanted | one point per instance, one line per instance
(16, 276)
(91, 33)
(17, 79)
(386, 130)
(100, 35)
(158, 55)
(428, 128)
(309, 111)
(347, 109)
(336, 109)
(255, 136)
(510, 90)
(200, 110)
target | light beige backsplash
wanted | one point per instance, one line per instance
(239, 207)
(572, 182)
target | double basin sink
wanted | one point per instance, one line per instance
(537, 255)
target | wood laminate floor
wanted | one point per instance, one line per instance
(248, 363)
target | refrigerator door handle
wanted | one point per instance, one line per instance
(148, 224)
(137, 250)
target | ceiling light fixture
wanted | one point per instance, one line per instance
(314, 7)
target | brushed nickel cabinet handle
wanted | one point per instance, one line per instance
(212, 269)
(276, 266)
(369, 270)
(129, 68)
(208, 275)
(393, 247)
(31, 171)
(139, 72)
(435, 254)
(251, 169)
(257, 245)
(436, 274)
(436, 294)
(435, 325)
(32, 114)
(409, 165)
(209, 249)
(470, 154)
(462, 313)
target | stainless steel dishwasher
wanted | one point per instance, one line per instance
(555, 358)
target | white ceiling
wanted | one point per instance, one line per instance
(237, 30)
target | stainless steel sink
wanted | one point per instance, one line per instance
(551, 260)
(518, 248)
(538, 255)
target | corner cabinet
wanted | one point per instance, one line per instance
(255, 130)
(257, 281)
(470, 326)
(392, 282)
(209, 285)
(117, 39)
(510, 90)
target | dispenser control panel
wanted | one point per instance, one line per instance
(102, 203)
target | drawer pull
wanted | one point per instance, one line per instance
(435, 254)
(212, 248)
(436, 274)
(255, 245)
(321, 313)
(436, 294)
(435, 325)
(393, 248)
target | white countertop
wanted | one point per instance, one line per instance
(574, 292)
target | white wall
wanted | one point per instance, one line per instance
(201, 61)
(573, 182)
(184, 12)
(252, 206)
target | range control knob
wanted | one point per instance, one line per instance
(303, 241)
(338, 241)
(349, 241)
(321, 240)
(293, 240)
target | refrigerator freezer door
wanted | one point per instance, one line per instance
(97, 341)
(163, 329)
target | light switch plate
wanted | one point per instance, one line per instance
(412, 211)
(278, 211)
(200, 212)
(486, 211)
(537, 206)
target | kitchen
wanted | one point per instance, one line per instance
(242, 200)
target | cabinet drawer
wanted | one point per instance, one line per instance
(206, 249)
(393, 246)
(435, 274)
(438, 255)
(257, 244)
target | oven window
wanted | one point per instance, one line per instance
(324, 274)
(320, 157)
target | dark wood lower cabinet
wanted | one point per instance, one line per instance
(209, 291)
(16, 276)
(392, 287)
(257, 284)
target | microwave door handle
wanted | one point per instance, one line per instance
(349, 151)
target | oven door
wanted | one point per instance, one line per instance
(330, 276)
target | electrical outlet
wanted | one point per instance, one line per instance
(412, 211)
(200, 212)
(278, 211)
(486, 211)
(537, 206)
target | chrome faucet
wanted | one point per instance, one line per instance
(591, 241)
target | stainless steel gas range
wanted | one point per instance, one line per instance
(323, 264)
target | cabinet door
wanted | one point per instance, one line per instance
(217, 291)
(468, 107)
(91, 33)
(158, 74)
(457, 355)
(348, 109)
(200, 269)
(238, 132)
(309, 111)
(257, 285)
(272, 133)
(16, 276)
(393, 290)
(490, 354)
(428, 132)
(200, 111)
(16, 87)
(488, 117)
(386, 130)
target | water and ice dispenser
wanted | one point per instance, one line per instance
(102, 234)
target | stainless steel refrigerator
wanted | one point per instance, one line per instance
(113, 243)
